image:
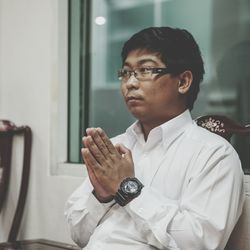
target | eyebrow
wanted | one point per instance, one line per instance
(142, 61)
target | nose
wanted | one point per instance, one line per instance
(132, 82)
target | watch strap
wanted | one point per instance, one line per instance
(120, 199)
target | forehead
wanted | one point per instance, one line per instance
(142, 56)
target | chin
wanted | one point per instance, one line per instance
(141, 116)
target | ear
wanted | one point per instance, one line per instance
(185, 81)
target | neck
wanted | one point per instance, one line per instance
(147, 126)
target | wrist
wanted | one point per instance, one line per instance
(130, 188)
(103, 199)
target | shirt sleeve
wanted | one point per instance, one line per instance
(205, 215)
(83, 212)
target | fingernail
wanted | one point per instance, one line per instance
(84, 150)
(99, 130)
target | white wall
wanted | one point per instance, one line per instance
(28, 71)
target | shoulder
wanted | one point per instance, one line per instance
(205, 138)
(210, 145)
(213, 150)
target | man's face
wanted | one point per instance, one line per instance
(154, 100)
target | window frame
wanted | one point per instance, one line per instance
(79, 81)
(59, 114)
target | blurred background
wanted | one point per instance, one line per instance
(221, 29)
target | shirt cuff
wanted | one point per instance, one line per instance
(96, 208)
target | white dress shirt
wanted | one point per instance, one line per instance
(193, 194)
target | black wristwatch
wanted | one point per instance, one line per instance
(129, 189)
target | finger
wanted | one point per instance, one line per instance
(90, 161)
(84, 138)
(117, 146)
(92, 177)
(119, 149)
(98, 141)
(111, 148)
(95, 151)
(125, 152)
(90, 171)
(122, 149)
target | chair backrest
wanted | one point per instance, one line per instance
(222, 126)
(7, 132)
(225, 127)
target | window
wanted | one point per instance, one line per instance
(98, 29)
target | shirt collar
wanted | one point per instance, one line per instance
(169, 130)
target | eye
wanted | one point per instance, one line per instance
(144, 71)
(123, 73)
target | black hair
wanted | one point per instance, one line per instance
(177, 49)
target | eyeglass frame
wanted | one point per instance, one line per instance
(134, 73)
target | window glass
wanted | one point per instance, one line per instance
(221, 29)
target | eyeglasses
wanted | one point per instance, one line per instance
(141, 74)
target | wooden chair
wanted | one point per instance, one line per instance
(225, 127)
(7, 132)
(222, 126)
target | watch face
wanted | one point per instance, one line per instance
(130, 187)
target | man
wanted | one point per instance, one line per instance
(165, 183)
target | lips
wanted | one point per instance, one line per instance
(133, 98)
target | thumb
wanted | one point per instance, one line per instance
(121, 148)
(124, 151)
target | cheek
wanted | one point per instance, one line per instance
(161, 96)
(154, 94)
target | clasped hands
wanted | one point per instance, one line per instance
(107, 165)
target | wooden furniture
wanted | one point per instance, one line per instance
(225, 127)
(222, 126)
(7, 132)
